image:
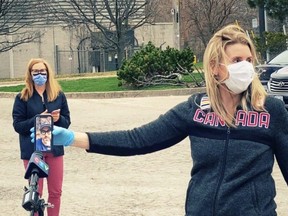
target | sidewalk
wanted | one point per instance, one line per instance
(11, 83)
(121, 94)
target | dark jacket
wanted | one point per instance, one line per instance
(232, 167)
(24, 113)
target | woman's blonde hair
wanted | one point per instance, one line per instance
(214, 54)
(52, 86)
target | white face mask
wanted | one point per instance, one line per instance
(240, 77)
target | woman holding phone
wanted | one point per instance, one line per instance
(42, 95)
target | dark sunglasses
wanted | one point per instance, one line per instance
(36, 72)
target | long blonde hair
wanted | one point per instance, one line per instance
(214, 53)
(52, 86)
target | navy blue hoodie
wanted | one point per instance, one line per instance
(232, 167)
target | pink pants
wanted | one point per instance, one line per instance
(54, 182)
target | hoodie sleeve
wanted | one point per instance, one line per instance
(167, 130)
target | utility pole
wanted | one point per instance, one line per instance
(262, 29)
(176, 23)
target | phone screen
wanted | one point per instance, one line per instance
(43, 133)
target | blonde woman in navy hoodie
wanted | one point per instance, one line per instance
(235, 131)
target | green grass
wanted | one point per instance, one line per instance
(91, 85)
(17, 88)
(104, 85)
(199, 65)
(98, 84)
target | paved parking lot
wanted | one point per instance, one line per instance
(148, 185)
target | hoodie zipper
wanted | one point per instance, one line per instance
(222, 171)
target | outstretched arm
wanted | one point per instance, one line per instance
(167, 130)
(81, 140)
(66, 137)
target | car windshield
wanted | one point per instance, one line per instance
(282, 58)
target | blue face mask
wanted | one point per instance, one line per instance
(39, 79)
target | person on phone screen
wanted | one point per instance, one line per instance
(236, 132)
(44, 142)
(42, 95)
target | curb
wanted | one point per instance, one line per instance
(121, 94)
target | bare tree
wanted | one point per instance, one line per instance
(207, 16)
(115, 19)
(16, 18)
(202, 18)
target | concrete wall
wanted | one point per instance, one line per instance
(14, 62)
(54, 38)
(159, 34)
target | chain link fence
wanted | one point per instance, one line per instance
(88, 61)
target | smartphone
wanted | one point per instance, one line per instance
(43, 133)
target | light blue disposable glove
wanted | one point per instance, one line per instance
(61, 136)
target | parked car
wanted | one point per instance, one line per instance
(265, 70)
(277, 86)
